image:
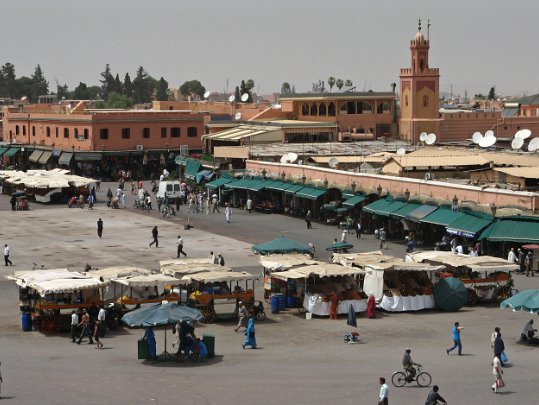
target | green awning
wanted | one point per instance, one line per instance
(404, 211)
(240, 184)
(521, 230)
(282, 187)
(373, 208)
(192, 168)
(276, 185)
(34, 157)
(257, 185)
(389, 208)
(88, 156)
(65, 158)
(418, 214)
(2, 150)
(45, 157)
(310, 193)
(355, 200)
(469, 225)
(218, 182)
(294, 188)
(12, 152)
(347, 194)
(442, 216)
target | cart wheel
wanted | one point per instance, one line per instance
(472, 297)
(49, 325)
(208, 312)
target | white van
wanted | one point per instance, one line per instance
(171, 188)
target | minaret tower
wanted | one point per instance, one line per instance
(419, 92)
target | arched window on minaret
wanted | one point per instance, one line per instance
(406, 100)
(422, 64)
(425, 101)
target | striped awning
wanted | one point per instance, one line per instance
(34, 157)
(44, 158)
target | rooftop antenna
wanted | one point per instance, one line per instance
(523, 134)
(517, 143)
(207, 95)
(244, 97)
(237, 116)
(431, 139)
(423, 136)
(476, 137)
(232, 98)
(333, 162)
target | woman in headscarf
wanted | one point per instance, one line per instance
(250, 339)
(371, 306)
(150, 340)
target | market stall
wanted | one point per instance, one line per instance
(147, 288)
(396, 285)
(110, 293)
(276, 263)
(43, 294)
(220, 288)
(316, 283)
(184, 267)
(486, 277)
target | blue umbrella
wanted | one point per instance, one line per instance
(526, 300)
(450, 294)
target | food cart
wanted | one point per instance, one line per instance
(486, 278)
(316, 283)
(276, 263)
(108, 273)
(220, 288)
(397, 286)
(43, 294)
(146, 289)
(184, 267)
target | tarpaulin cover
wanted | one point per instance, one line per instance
(161, 314)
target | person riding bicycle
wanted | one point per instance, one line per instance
(408, 364)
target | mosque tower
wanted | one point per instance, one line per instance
(419, 92)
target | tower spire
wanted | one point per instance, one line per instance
(428, 29)
(419, 25)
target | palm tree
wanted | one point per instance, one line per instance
(285, 88)
(331, 82)
(348, 83)
(339, 83)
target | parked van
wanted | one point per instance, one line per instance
(171, 188)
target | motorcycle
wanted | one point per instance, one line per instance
(75, 202)
(258, 311)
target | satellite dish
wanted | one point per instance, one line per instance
(476, 137)
(401, 151)
(232, 98)
(24, 98)
(489, 134)
(487, 142)
(237, 116)
(523, 134)
(207, 95)
(333, 162)
(423, 136)
(431, 138)
(289, 157)
(244, 97)
(517, 143)
(533, 145)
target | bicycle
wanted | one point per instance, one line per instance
(423, 379)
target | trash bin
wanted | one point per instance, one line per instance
(209, 341)
(274, 304)
(143, 352)
(291, 301)
(282, 302)
(26, 321)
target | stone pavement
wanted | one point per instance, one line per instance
(299, 361)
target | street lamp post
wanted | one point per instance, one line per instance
(407, 194)
(379, 189)
(353, 186)
(493, 209)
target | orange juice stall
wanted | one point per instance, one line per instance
(486, 278)
(47, 297)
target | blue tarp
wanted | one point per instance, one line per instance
(204, 174)
(159, 314)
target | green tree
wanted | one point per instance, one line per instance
(62, 92)
(492, 93)
(237, 94)
(339, 83)
(143, 86)
(246, 87)
(9, 78)
(161, 90)
(93, 92)
(40, 86)
(285, 88)
(348, 83)
(128, 86)
(107, 82)
(193, 89)
(117, 100)
(23, 87)
(81, 92)
(331, 82)
(117, 86)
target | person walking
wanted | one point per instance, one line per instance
(383, 398)
(529, 264)
(521, 261)
(434, 398)
(250, 339)
(382, 235)
(499, 347)
(215, 202)
(358, 230)
(100, 228)
(498, 372)
(456, 339)
(371, 306)
(249, 204)
(344, 235)
(74, 325)
(155, 234)
(228, 212)
(85, 328)
(243, 313)
(308, 218)
(91, 201)
(511, 256)
(220, 259)
(6, 255)
(180, 248)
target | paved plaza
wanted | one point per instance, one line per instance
(299, 361)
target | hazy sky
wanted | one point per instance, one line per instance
(476, 44)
